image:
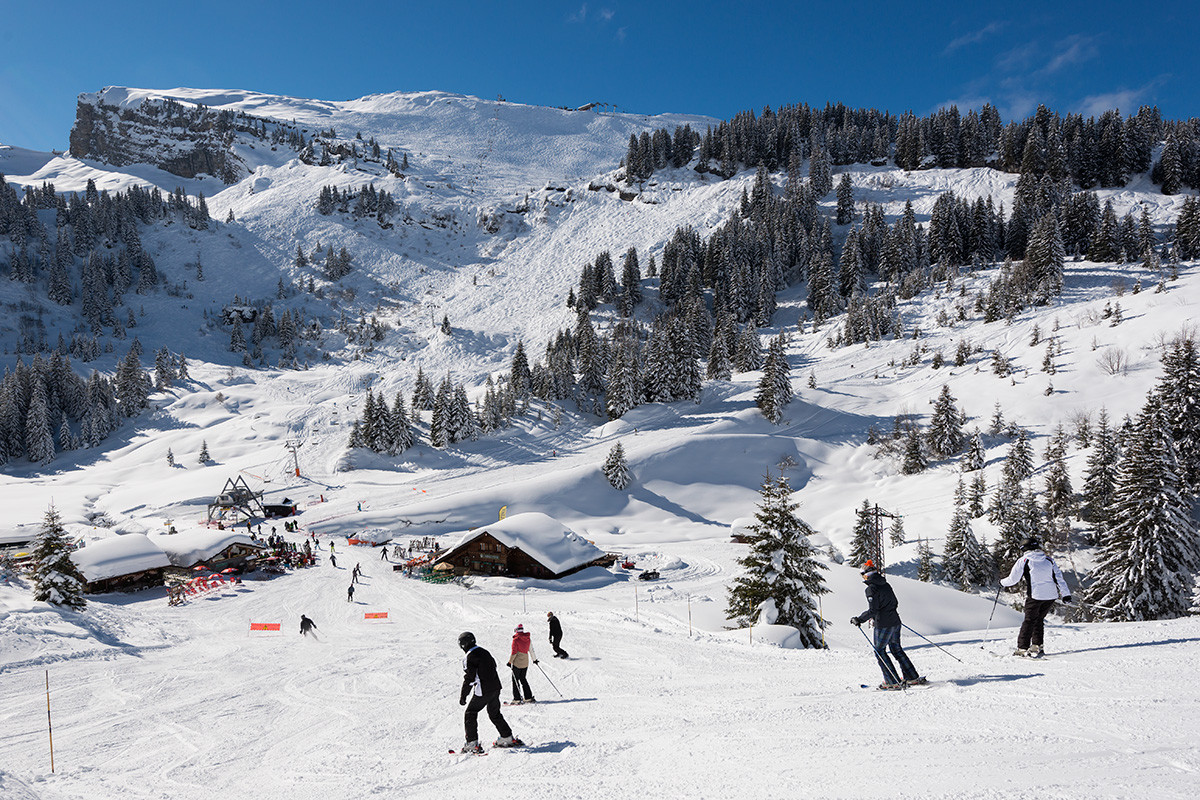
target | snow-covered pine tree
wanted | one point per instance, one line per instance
(1179, 392)
(1018, 464)
(914, 455)
(616, 468)
(845, 200)
(896, 533)
(975, 456)
(204, 457)
(1194, 608)
(925, 561)
(965, 561)
(782, 575)
(1147, 559)
(1100, 479)
(775, 386)
(945, 434)
(402, 432)
(56, 579)
(862, 541)
(519, 376)
(624, 380)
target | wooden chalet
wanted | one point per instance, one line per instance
(214, 550)
(121, 564)
(530, 545)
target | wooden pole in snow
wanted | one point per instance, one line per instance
(689, 615)
(49, 726)
(636, 617)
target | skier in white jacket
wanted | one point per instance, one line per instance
(1044, 585)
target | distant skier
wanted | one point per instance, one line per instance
(350, 594)
(1044, 584)
(482, 683)
(333, 560)
(383, 553)
(306, 625)
(556, 635)
(881, 607)
(331, 547)
(518, 661)
(354, 575)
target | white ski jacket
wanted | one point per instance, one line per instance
(1046, 581)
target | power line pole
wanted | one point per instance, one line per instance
(877, 514)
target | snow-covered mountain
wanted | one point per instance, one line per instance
(497, 211)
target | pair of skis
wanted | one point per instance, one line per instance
(482, 752)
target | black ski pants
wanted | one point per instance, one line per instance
(520, 682)
(1033, 629)
(558, 651)
(491, 702)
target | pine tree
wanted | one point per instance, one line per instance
(170, 458)
(204, 457)
(520, 378)
(965, 561)
(1179, 394)
(775, 386)
(975, 456)
(1018, 464)
(1147, 560)
(782, 575)
(56, 579)
(924, 561)
(896, 533)
(845, 200)
(914, 456)
(945, 428)
(616, 469)
(1100, 479)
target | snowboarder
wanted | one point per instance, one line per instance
(482, 683)
(518, 661)
(306, 625)
(881, 607)
(350, 594)
(1044, 584)
(556, 635)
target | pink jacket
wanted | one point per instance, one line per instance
(522, 651)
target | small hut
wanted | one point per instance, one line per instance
(530, 545)
(121, 563)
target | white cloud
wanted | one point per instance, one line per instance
(1072, 50)
(973, 37)
(606, 14)
(580, 15)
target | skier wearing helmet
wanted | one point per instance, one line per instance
(482, 683)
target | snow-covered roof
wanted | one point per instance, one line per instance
(551, 543)
(119, 555)
(191, 547)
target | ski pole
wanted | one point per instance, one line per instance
(885, 666)
(989, 625)
(547, 677)
(935, 644)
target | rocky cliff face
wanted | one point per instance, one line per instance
(185, 141)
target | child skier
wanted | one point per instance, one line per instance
(482, 683)
(1044, 584)
(881, 607)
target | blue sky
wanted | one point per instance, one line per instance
(647, 57)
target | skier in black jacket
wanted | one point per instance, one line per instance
(556, 635)
(482, 682)
(306, 625)
(881, 607)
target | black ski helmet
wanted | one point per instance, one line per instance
(1031, 543)
(466, 640)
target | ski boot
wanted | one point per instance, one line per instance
(1021, 651)
(472, 748)
(890, 687)
(508, 741)
(918, 681)
(1036, 651)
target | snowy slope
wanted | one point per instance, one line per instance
(154, 701)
